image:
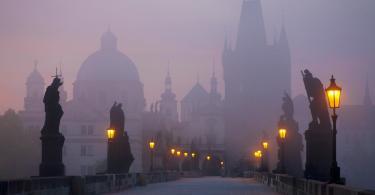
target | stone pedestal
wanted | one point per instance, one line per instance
(318, 153)
(52, 165)
(119, 155)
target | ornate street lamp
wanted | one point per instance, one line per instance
(151, 145)
(265, 145)
(282, 135)
(110, 134)
(258, 156)
(333, 96)
(264, 166)
(110, 150)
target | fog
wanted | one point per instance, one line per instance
(327, 37)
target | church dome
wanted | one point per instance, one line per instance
(35, 77)
(108, 63)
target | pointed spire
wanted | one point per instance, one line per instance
(35, 65)
(367, 99)
(198, 79)
(251, 32)
(226, 42)
(168, 79)
(213, 79)
(213, 68)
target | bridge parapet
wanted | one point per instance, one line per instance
(80, 185)
(289, 185)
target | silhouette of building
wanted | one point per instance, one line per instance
(33, 115)
(355, 142)
(256, 74)
(104, 77)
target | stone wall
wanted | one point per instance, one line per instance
(288, 185)
(80, 185)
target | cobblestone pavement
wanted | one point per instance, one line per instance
(203, 186)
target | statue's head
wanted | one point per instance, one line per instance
(56, 83)
(307, 73)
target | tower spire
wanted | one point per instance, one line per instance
(213, 79)
(35, 64)
(252, 31)
(168, 79)
(367, 99)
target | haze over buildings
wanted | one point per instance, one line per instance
(326, 37)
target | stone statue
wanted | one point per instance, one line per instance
(317, 98)
(319, 133)
(119, 152)
(52, 107)
(293, 141)
(52, 139)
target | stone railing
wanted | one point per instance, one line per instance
(80, 185)
(288, 185)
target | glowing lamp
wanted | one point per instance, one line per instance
(186, 154)
(110, 133)
(151, 144)
(222, 163)
(208, 157)
(333, 94)
(173, 151)
(193, 155)
(282, 133)
(178, 153)
(265, 145)
(258, 154)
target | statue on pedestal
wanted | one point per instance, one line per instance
(52, 139)
(293, 140)
(319, 134)
(119, 152)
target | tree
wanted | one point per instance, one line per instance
(19, 153)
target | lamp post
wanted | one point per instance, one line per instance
(110, 136)
(334, 94)
(258, 156)
(282, 135)
(178, 153)
(151, 145)
(265, 157)
(208, 157)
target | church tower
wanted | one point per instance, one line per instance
(215, 97)
(33, 112)
(256, 75)
(168, 102)
(34, 91)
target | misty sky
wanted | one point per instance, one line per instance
(336, 36)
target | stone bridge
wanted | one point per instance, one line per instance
(164, 183)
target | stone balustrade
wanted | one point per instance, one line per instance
(288, 185)
(80, 185)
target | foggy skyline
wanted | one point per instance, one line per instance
(326, 37)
